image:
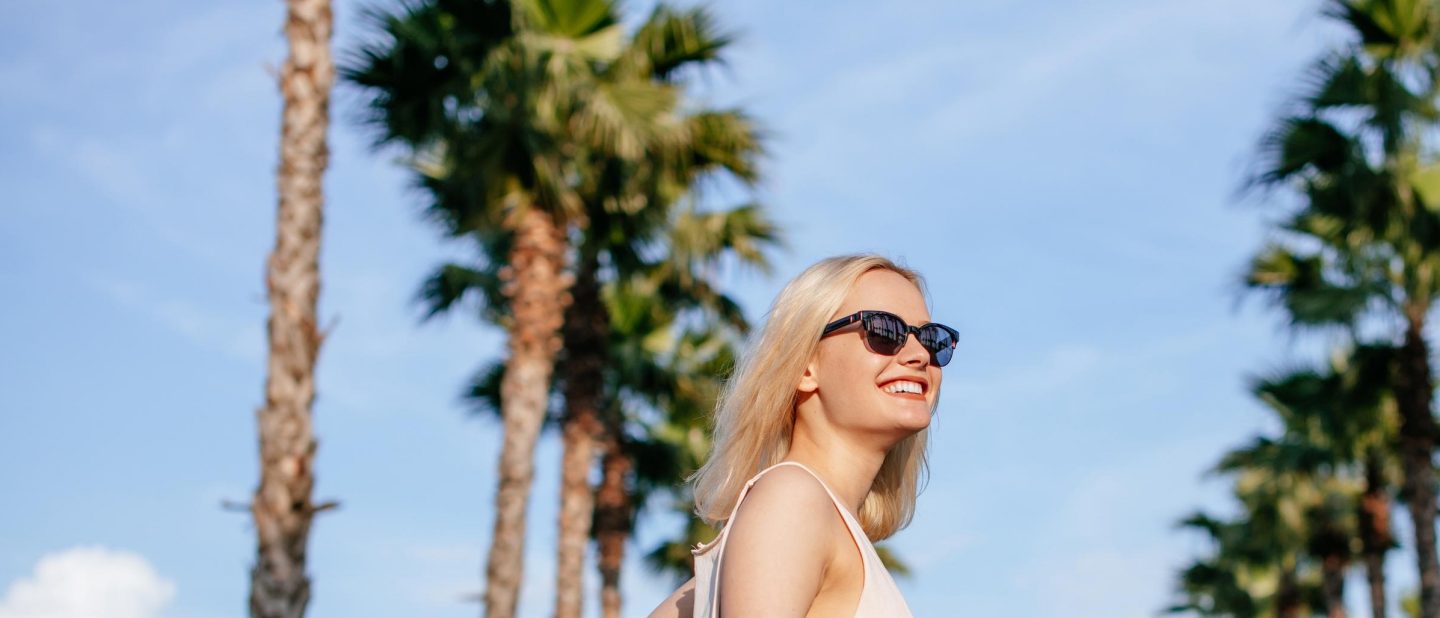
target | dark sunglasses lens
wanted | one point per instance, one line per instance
(940, 343)
(886, 334)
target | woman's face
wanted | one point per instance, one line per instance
(862, 390)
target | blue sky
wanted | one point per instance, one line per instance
(1065, 175)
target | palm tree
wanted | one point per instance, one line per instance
(1356, 149)
(670, 341)
(672, 344)
(661, 428)
(1340, 421)
(1301, 496)
(675, 339)
(500, 105)
(1373, 516)
(1256, 568)
(282, 507)
(1235, 579)
(1246, 575)
(692, 245)
(668, 45)
(1326, 473)
(1300, 483)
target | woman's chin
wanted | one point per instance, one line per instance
(912, 418)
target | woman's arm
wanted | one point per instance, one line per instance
(779, 547)
(679, 605)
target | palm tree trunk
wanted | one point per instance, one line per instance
(535, 287)
(1332, 569)
(1287, 596)
(281, 507)
(1414, 392)
(1375, 537)
(586, 335)
(1375, 575)
(612, 518)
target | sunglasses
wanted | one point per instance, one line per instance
(886, 333)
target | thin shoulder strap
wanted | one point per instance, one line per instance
(869, 561)
(708, 600)
(826, 487)
(845, 513)
(853, 524)
(744, 491)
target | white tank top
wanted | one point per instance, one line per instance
(879, 598)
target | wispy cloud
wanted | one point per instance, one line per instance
(86, 582)
(946, 96)
(179, 108)
(238, 337)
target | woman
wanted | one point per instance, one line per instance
(819, 448)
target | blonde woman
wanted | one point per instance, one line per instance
(819, 449)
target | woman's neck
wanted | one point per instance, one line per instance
(848, 468)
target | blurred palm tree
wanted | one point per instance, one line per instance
(1346, 414)
(673, 345)
(625, 202)
(501, 106)
(670, 339)
(1260, 564)
(670, 374)
(1364, 252)
(1258, 567)
(630, 237)
(282, 507)
(1320, 490)
(1285, 486)
(1251, 572)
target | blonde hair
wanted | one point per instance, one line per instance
(755, 414)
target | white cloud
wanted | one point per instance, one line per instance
(85, 582)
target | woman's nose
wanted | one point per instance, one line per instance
(913, 353)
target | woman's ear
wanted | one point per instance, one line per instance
(808, 382)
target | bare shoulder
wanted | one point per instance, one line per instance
(785, 494)
(779, 545)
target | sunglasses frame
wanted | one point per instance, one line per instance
(864, 318)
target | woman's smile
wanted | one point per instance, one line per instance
(905, 388)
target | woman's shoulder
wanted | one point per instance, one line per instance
(785, 543)
(787, 505)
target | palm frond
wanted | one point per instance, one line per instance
(1300, 147)
(1299, 283)
(571, 19)
(892, 561)
(417, 61)
(482, 392)
(672, 39)
(451, 284)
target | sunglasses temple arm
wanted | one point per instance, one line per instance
(840, 323)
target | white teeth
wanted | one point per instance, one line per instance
(903, 386)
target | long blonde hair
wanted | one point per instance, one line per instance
(755, 414)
